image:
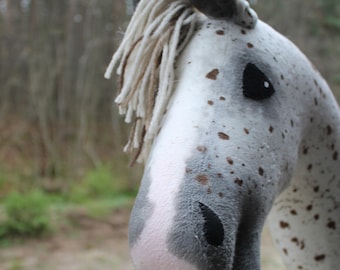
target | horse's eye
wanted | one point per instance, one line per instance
(256, 85)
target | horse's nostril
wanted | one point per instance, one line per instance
(213, 227)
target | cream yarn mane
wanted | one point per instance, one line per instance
(157, 33)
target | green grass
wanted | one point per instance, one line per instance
(101, 182)
(103, 208)
(32, 212)
(26, 215)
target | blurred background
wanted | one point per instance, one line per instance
(65, 186)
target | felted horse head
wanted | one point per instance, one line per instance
(236, 127)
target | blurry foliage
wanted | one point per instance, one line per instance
(31, 212)
(102, 182)
(96, 183)
(331, 14)
(26, 215)
(103, 208)
(55, 106)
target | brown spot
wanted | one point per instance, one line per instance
(202, 179)
(316, 217)
(261, 171)
(316, 189)
(285, 251)
(212, 75)
(329, 130)
(305, 150)
(293, 212)
(210, 102)
(250, 45)
(220, 32)
(316, 102)
(219, 175)
(223, 136)
(220, 194)
(284, 225)
(243, 32)
(271, 129)
(295, 240)
(320, 257)
(331, 225)
(300, 267)
(239, 181)
(335, 155)
(246, 131)
(282, 77)
(222, 98)
(230, 160)
(209, 191)
(302, 244)
(201, 148)
(309, 167)
(309, 207)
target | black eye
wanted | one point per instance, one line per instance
(256, 85)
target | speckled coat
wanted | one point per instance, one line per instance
(252, 126)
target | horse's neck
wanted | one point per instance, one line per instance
(306, 216)
(320, 145)
(318, 168)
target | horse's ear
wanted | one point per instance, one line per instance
(238, 10)
(216, 8)
(211, 8)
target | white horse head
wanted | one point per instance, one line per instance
(251, 127)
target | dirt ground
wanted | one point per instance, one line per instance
(86, 243)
